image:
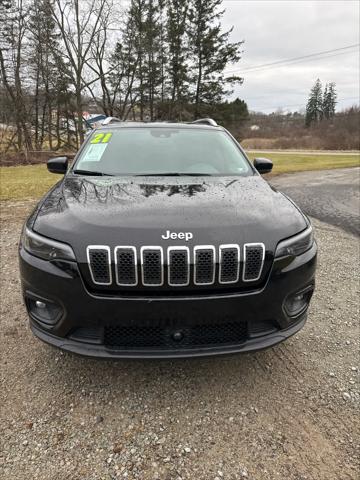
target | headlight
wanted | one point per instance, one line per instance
(296, 245)
(44, 247)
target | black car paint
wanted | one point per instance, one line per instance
(217, 210)
(82, 210)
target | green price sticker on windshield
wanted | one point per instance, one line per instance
(101, 138)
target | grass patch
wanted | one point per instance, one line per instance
(18, 183)
(32, 181)
(297, 162)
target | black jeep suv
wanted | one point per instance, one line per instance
(162, 240)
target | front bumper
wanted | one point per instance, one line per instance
(99, 351)
(81, 309)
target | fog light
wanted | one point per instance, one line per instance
(298, 302)
(44, 311)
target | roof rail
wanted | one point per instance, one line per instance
(206, 121)
(109, 120)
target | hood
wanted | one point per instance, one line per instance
(139, 210)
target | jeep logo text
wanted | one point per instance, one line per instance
(181, 236)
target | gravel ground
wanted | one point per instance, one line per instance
(286, 413)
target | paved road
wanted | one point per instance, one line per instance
(329, 195)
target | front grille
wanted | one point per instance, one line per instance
(254, 254)
(204, 265)
(126, 266)
(229, 262)
(178, 266)
(150, 266)
(157, 337)
(99, 262)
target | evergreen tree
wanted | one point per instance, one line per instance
(314, 107)
(329, 101)
(138, 60)
(136, 14)
(178, 74)
(153, 53)
(124, 77)
(231, 113)
(163, 48)
(169, 72)
(211, 52)
(146, 18)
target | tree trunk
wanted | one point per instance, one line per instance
(36, 102)
(57, 128)
(79, 120)
(198, 87)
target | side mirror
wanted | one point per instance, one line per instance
(57, 165)
(263, 165)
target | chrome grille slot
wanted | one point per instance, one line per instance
(229, 263)
(99, 261)
(204, 265)
(126, 266)
(254, 254)
(152, 266)
(178, 266)
(201, 266)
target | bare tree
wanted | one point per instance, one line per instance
(156, 59)
(48, 72)
(96, 63)
(79, 24)
(13, 16)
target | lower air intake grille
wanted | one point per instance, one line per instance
(152, 265)
(99, 262)
(253, 259)
(204, 265)
(162, 338)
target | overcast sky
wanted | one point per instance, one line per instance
(280, 30)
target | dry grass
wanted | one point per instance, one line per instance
(297, 162)
(25, 182)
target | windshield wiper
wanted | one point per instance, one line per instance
(174, 174)
(91, 172)
(191, 174)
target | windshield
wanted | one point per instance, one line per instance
(161, 151)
